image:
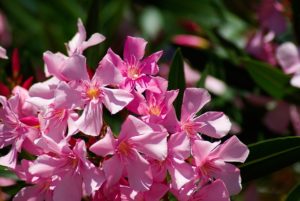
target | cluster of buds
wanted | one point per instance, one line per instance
(74, 154)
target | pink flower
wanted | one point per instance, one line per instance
(74, 170)
(213, 124)
(288, 57)
(180, 171)
(15, 129)
(78, 43)
(191, 41)
(135, 137)
(3, 53)
(137, 72)
(211, 160)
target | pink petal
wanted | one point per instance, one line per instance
(69, 188)
(216, 191)
(134, 48)
(93, 178)
(139, 173)
(107, 73)
(116, 60)
(288, 57)
(216, 124)
(116, 99)
(44, 89)
(193, 100)
(54, 64)
(149, 64)
(74, 68)
(113, 169)
(3, 53)
(295, 81)
(134, 126)
(66, 97)
(77, 40)
(232, 150)
(105, 146)
(10, 159)
(201, 150)
(156, 192)
(90, 122)
(179, 146)
(30, 193)
(95, 39)
(153, 144)
(230, 175)
(180, 172)
(170, 122)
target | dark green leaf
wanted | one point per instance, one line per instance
(269, 156)
(270, 79)
(294, 194)
(176, 79)
(5, 172)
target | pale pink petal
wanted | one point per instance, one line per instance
(54, 64)
(30, 193)
(149, 64)
(95, 39)
(105, 146)
(139, 173)
(153, 144)
(93, 178)
(295, 81)
(44, 89)
(179, 146)
(113, 169)
(116, 60)
(230, 175)
(170, 122)
(201, 150)
(74, 68)
(3, 53)
(134, 126)
(232, 150)
(78, 39)
(10, 159)
(180, 172)
(216, 191)
(65, 97)
(216, 124)
(107, 73)
(69, 188)
(134, 49)
(193, 100)
(90, 122)
(116, 99)
(288, 57)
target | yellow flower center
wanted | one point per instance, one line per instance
(133, 72)
(93, 93)
(124, 148)
(155, 110)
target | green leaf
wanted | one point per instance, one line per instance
(269, 156)
(176, 79)
(5, 172)
(294, 194)
(270, 79)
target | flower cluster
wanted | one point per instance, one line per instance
(74, 154)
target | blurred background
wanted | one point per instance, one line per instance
(228, 46)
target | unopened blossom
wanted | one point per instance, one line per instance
(212, 161)
(135, 140)
(137, 71)
(213, 124)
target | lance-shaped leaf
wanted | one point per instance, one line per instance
(294, 194)
(270, 155)
(270, 79)
(176, 79)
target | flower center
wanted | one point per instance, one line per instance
(155, 110)
(133, 72)
(124, 148)
(208, 168)
(93, 93)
